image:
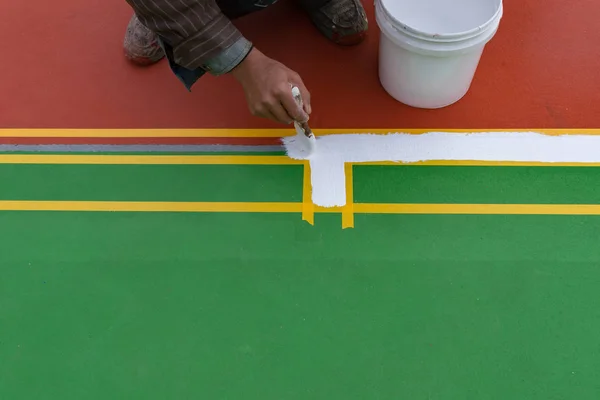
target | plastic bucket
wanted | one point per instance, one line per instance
(429, 49)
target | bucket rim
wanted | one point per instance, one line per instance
(439, 37)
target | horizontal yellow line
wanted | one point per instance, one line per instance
(144, 159)
(476, 163)
(161, 133)
(150, 206)
(236, 160)
(359, 208)
(479, 209)
(145, 133)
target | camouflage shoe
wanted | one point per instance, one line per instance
(342, 21)
(141, 44)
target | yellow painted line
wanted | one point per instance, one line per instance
(329, 210)
(308, 208)
(361, 208)
(348, 209)
(145, 133)
(155, 206)
(474, 163)
(150, 206)
(235, 160)
(145, 159)
(479, 209)
(248, 133)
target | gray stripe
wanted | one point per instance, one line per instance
(215, 46)
(107, 148)
(207, 28)
(192, 26)
(184, 31)
(192, 9)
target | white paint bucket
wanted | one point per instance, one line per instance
(429, 49)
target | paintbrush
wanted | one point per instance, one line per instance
(304, 133)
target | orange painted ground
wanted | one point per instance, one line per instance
(63, 67)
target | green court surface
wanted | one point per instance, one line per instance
(155, 305)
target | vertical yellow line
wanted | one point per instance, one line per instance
(348, 209)
(308, 208)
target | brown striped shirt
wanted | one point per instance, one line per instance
(196, 30)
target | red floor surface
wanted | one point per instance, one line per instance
(63, 68)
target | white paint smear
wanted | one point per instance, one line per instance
(333, 151)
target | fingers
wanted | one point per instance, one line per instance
(271, 109)
(282, 107)
(280, 113)
(294, 111)
(272, 117)
(269, 94)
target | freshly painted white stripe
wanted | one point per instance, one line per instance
(332, 152)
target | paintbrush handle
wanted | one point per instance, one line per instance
(297, 96)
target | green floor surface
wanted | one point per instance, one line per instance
(283, 183)
(279, 183)
(265, 306)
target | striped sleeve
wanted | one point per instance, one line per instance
(197, 30)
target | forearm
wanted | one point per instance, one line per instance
(200, 35)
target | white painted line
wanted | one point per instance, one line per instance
(332, 152)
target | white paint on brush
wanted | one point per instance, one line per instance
(333, 151)
(303, 146)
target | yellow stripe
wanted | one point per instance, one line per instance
(361, 208)
(308, 208)
(150, 206)
(248, 133)
(144, 159)
(475, 163)
(329, 210)
(479, 209)
(236, 160)
(348, 209)
(145, 133)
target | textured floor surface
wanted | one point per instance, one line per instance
(455, 282)
(540, 71)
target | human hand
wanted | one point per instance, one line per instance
(268, 87)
